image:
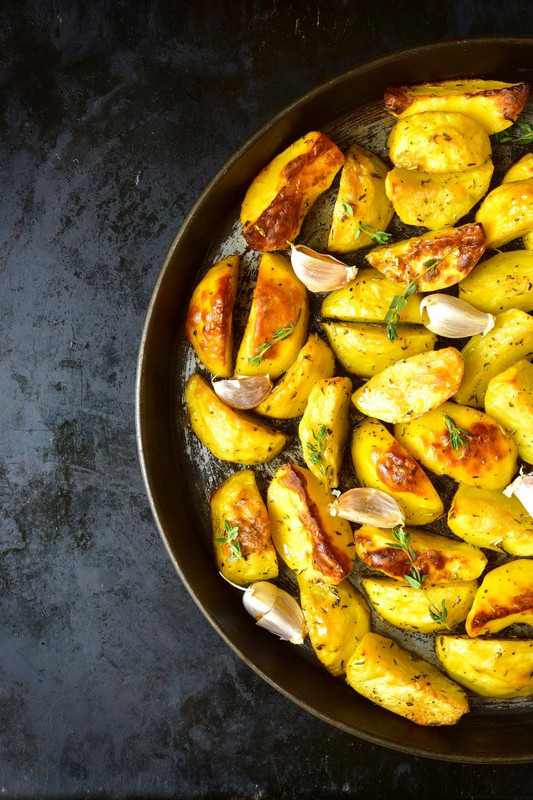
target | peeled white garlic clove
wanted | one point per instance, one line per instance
(454, 318)
(368, 507)
(522, 488)
(275, 610)
(319, 272)
(243, 392)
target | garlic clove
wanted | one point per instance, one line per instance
(454, 318)
(368, 507)
(522, 488)
(242, 392)
(276, 610)
(320, 272)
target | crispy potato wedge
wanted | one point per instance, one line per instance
(278, 199)
(502, 282)
(440, 559)
(434, 260)
(337, 618)
(317, 546)
(483, 455)
(509, 399)
(409, 608)
(209, 320)
(289, 396)
(436, 200)
(507, 212)
(494, 104)
(251, 556)
(411, 387)
(504, 597)
(397, 680)
(361, 201)
(489, 667)
(487, 518)
(230, 435)
(324, 428)
(367, 299)
(278, 315)
(521, 170)
(381, 462)
(485, 356)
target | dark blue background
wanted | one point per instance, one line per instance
(114, 116)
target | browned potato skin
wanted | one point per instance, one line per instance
(504, 597)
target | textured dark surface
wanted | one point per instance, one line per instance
(114, 116)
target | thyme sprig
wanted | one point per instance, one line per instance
(318, 448)
(380, 237)
(458, 436)
(525, 136)
(347, 208)
(231, 538)
(277, 336)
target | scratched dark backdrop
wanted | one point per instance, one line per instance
(114, 115)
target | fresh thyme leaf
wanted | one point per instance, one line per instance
(277, 336)
(439, 615)
(231, 538)
(525, 136)
(381, 237)
(458, 436)
(397, 304)
(347, 208)
(318, 448)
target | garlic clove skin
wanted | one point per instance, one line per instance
(320, 272)
(454, 318)
(368, 507)
(243, 392)
(522, 488)
(276, 610)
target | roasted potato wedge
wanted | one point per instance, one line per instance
(365, 349)
(337, 618)
(507, 212)
(317, 546)
(487, 518)
(324, 428)
(277, 323)
(240, 527)
(478, 452)
(494, 104)
(397, 680)
(485, 356)
(361, 201)
(230, 435)
(521, 170)
(411, 387)
(409, 608)
(381, 462)
(504, 598)
(489, 667)
(509, 399)
(289, 397)
(278, 199)
(440, 559)
(367, 299)
(434, 260)
(502, 282)
(209, 320)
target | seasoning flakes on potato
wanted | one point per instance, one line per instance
(367, 299)
(505, 597)
(506, 213)
(500, 283)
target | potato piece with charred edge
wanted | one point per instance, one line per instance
(485, 356)
(317, 546)
(230, 435)
(401, 682)
(209, 320)
(440, 559)
(489, 667)
(289, 396)
(509, 399)
(494, 104)
(365, 349)
(238, 508)
(279, 197)
(367, 299)
(412, 386)
(277, 322)
(521, 170)
(381, 462)
(475, 450)
(409, 609)
(487, 518)
(362, 200)
(505, 597)
(502, 282)
(434, 260)
(507, 212)
(337, 618)
(324, 428)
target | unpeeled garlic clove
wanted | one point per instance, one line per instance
(522, 488)
(320, 272)
(243, 392)
(454, 318)
(368, 507)
(276, 610)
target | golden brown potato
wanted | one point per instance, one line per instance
(434, 260)
(361, 201)
(367, 299)
(240, 528)
(507, 212)
(324, 428)
(230, 435)
(403, 683)
(504, 597)
(411, 387)
(463, 443)
(509, 399)
(278, 199)
(209, 321)
(521, 170)
(277, 323)
(502, 282)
